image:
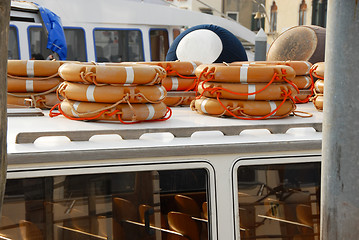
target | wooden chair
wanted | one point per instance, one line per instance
(123, 210)
(29, 231)
(184, 224)
(187, 205)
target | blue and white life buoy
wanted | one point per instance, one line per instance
(207, 44)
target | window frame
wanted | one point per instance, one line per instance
(265, 160)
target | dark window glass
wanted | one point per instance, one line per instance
(76, 45)
(159, 44)
(38, 43)
(13, 44)
(280, 201)
(118, 45)
(119, 206)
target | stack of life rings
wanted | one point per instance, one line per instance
(302, 77)
(246, 91)
(112, 92)
(180, 78)
(33, 83)
(317, 72)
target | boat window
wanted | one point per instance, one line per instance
(176, 33)
(159, 44)
(117, 45)
(76, 44)
(38, 43)
(13, 44)
(127, 205)
(279, 201)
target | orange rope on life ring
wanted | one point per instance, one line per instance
(113, 74)
(258, 91)
(111, 94)
(111, 112)
(252, 110)
(317, 70)
(300, 67)
(15, 85)
(245, 74)
(33, 68)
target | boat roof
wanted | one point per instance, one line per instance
(33, 138)
(150, 13)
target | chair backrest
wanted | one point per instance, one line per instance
(184, 224)
(142, 209)
(205, 210)
(304, 214)
(29, 231)
(187, 205)
(124, 209)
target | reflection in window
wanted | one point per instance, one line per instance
(119, 206)
(279, 201)
(118, 45)
(159, 44)
(38, 43)
(76, 45)
(302, 13)
(13, 44)
(273, 17)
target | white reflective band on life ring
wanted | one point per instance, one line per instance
(194, 67)
(308, 82)
(309, 66)
(30, 68)
(130, 77)
(251, 89)
(101, 64)
(203, 105)
(90, 93)
(29, 85)
(75, 106)
(174, 83)
(162, 92)
(243, 74)
(273, 107)
(151, 111)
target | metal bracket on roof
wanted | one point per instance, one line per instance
(179, 132)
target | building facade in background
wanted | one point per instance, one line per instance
(274, 16)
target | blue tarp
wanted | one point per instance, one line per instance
(56, 40)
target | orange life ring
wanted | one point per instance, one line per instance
(245, 74)
(112, 94)
(318, 70)
(174, 68)
(318, 101)
(33, 68)
(112, 74)
(119, 112)
(249, 109)
(300, 67)
(178, 101)
(302, 82)
(31, 85)
(178, 84)
(258, 91)
(46, 101)
(319, 86)
(302, 98)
